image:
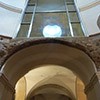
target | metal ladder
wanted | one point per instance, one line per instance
(72, 11)
(27, 20)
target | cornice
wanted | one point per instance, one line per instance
(10, 7)
(90, 5)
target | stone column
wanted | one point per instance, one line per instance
(6, 89)
(92, 90)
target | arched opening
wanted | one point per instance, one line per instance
(42, 54)
(49, 76)
(48, 53)
(51, 92)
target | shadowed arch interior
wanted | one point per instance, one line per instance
(45, 89)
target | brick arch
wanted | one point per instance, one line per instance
(22, 55)
(90, 46)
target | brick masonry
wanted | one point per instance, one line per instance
(90, 45)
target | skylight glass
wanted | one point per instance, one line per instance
(52, 31)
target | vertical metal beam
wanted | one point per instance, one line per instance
(70, 26)
(23, 13)
(80, 18)
(30, 27)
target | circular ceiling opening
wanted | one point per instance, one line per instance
(52, 31)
